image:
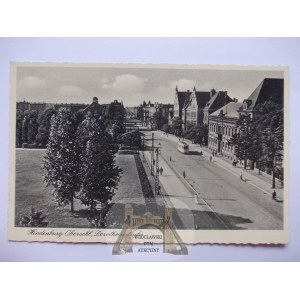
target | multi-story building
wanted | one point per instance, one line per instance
(193, 107)
(221, 128)
(270, 89)
(222, 122)
(216, 101)
(147, 110)
(180, 99)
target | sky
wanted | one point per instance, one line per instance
(73, 84)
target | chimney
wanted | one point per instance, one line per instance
(212, 92)
(95, 100)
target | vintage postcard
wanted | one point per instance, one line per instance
(155, 154)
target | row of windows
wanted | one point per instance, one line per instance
(229, 131)
(191, 115)
(226, 146)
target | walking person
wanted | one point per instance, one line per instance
(161, 171)
(170, 158)
(241, 175)
(210, 158)
(183, 174)
(274, 194)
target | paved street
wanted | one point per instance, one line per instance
(225, 202)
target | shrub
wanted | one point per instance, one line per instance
(35, 219)
(146, 187)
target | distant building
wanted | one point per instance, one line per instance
(70, 107)
(132, 112)
(116, 108)
(146, 111)
(112, 109)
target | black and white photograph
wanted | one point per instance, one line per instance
(98, 149)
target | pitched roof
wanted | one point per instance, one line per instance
(183, 98)
(214, 101)
(202, 98)
(230, 110)
(268, 89)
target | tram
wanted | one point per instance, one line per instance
(183, 147)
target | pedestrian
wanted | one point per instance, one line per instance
(183, 174)
(170, 158)
(210, 158)
(241, 175)
(274, 194)
(213, 152)
(161, 170)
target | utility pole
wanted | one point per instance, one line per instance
(157, 171)
(152, 155)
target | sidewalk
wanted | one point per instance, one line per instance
(259, 181)
(178, 195)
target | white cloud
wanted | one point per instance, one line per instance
(33, 82)
(126, 83)
(183, 84)
(70, 90)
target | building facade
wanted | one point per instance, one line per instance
(222, 127)
(222, 122)
(146, 112)
(193, 107)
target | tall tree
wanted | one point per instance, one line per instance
(131, 139)
(198, 134)
(32, 126)
(61, 162)
(19, 122)
(25, 126)
(176, 127)
(269, 121)
(243, 139)
(158, 120)
(44, 127)
(99, 173)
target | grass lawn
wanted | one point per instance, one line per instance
(31, 192)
